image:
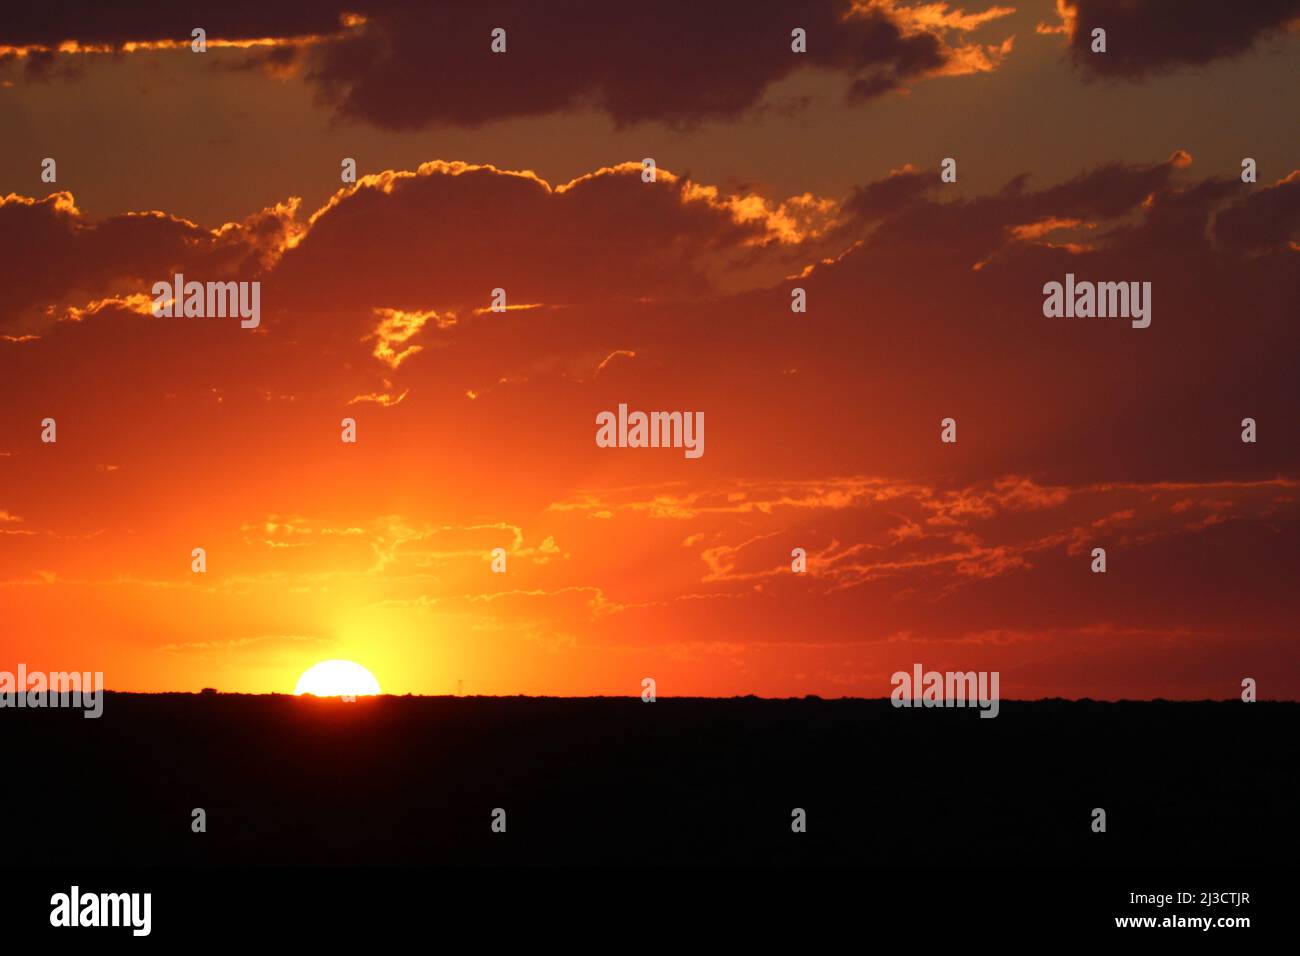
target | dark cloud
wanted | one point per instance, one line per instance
(1160, 35)
(677, 62)
(1266, 220)
(410, 65)
(928, 307)
(444, 237)
(57, 258)
(90, 23)
(886, 196)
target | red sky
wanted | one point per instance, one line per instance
(476, 430)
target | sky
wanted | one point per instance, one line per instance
(476, 429)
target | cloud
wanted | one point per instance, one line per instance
(406, 66)
(90, 24)
(1143, 39)
(387, 285)
(239, 642)
(605, 236)
(1266, 221)
(724, 57)
(60, 263)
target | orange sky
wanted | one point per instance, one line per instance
(476, 429)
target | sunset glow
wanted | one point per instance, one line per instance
(630, 350)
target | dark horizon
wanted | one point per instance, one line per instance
(661, 697)
(599, 780)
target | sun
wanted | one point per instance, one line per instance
(337, 679)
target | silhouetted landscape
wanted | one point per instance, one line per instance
(616, 780)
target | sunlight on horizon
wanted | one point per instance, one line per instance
(337, 679)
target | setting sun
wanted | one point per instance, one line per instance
(337, 679)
